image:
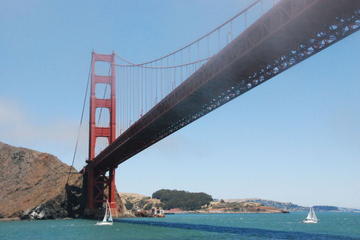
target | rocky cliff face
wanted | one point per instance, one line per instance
(33, 186)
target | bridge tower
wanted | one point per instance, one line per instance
(98, 180)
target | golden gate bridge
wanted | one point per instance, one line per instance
(134, 105)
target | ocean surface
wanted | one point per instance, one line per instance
(191, 226)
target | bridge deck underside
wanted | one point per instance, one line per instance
(289, 33)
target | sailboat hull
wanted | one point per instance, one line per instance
(310, 221)
(104, 223)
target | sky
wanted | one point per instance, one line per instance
(294, 138)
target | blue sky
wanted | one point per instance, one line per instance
(294, 138)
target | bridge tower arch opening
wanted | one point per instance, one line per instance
(100, 183)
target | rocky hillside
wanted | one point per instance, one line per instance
(33, 186)
(133, 201)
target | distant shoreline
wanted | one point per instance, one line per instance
(222, 212)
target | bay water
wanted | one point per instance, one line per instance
(332, 225)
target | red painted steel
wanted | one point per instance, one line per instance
(97, 181)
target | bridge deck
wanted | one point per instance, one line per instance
(290, 32)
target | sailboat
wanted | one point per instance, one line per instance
(311, 217)
(107, 220)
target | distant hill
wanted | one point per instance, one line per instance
(175, 201)
(288, 206)
(326, 208)
(240, 207)
(186, 201)
(335, 209)
(291, 207)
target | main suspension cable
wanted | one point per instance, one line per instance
(79, 128)
(196, 40)
(163, 67)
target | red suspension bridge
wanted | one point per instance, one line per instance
(134, 105)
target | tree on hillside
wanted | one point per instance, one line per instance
(182, 199)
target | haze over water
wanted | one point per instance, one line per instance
(191, 226)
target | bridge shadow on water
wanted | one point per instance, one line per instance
(243, 232)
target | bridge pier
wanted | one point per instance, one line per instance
(100, 187)
(98, 180)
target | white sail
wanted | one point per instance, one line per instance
(106, 214)
(110, 219)
(314, 217)
(311, 217)
(311, 214)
